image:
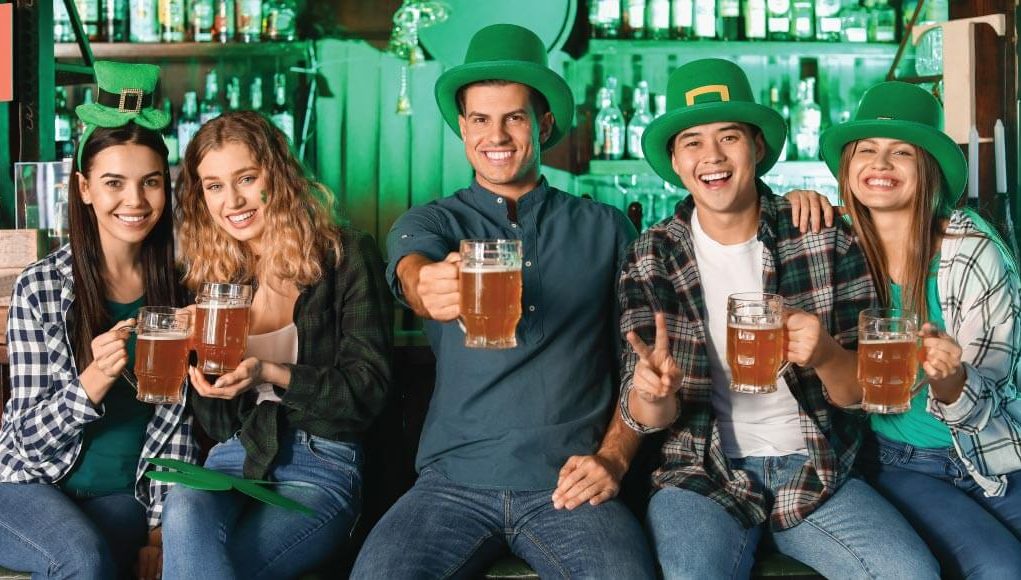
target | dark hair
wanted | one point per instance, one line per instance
(87, 259)
(540, 106)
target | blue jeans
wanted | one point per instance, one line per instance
(854, 534)
(210, 534)
(440, 529)
(52, 535)
(973, 536)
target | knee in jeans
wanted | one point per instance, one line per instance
(86, 558)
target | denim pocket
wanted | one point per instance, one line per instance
(335, 453)
(886, 456)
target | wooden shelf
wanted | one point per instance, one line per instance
(183, 50)
(717, 48)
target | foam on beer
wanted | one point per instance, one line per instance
(488, 269)
(164, 335)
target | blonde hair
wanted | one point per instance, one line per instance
(298, 212)
(928, 211)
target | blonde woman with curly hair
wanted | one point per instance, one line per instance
(316, 372)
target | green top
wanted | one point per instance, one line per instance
(917, 426)
(113, 443)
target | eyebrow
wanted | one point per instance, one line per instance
(118, 176)
(514, 112)
(239, 171)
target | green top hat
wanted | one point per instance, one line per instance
(508, 52)
(906, 112)
(125, 95)
(710, 90)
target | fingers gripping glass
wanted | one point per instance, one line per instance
(161, 353)
(490, 289)
(888, 352)
(755, 341)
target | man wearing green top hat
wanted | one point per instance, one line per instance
(739, 466)
(515, 454)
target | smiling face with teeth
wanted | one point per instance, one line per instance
(502, 136)
(232, 186)
(883, 174)
(125, 187)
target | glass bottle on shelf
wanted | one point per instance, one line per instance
(854, 22)
(170, 134)
(806, 121)
(281, 115)
(88, 12)
(143, 21)
(210, 107)
(279, 21)
(634, 214)
(62, 31)
(705, 19)
(929, 52)
(234, 94)
(609, 124)
(115, 20)
(249, 20)
(633, 23)
(660, 106)
(187, 122)
(755, 20)
(827, 20)
(78, 128)
(803, 19)
(223, 21)
(604, 18)
(171, 20)
(682, 19)
(201, 17)
(255, 95)
(882, 22)
(640, 119)
(62, 125)
(779, 104)
(657, 25)
(778, 19)
(729, 23)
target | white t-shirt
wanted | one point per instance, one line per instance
(750, 424)
(279, 346)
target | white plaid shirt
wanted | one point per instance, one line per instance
(46, 416)
(980, 298)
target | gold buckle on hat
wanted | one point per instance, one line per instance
(137, 94)
(723, 90)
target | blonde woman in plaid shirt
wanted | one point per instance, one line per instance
(958, 449)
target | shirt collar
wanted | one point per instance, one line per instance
(487, 199)
(767, 210)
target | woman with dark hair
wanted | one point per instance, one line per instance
(952, 462)
(73, 499)
(317, 369)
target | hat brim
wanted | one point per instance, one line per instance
(659, 133)
(540, 78)
(948, 155)
(103, 116)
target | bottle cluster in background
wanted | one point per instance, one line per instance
(179, 20)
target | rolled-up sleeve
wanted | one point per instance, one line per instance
(418, 231)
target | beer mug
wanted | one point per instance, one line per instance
(887, 359)
(161, 353)
(755, 341)
(490, 286)
(221, 324)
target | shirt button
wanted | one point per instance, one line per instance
(499, 200)
(514, 225)
(528, 264)
(531, 308)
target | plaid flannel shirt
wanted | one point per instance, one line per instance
(46, 416)
(980, 298)
(824, 274)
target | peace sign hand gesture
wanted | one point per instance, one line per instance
(656, 376)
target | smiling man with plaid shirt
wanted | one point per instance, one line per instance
(734, 461)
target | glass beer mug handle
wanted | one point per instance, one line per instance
(783, 368)
(128, 374)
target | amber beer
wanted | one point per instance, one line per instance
(755, 341)
(161, 353)
(490, 287)
(221, 326)
(887, 359)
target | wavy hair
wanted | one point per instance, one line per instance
(298, 212)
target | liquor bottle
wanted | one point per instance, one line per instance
(882, 22)
(144, 21)
(255, 95)
(115, 20)
(929, 52)
(729, 23)
(170, 134)
(705, 18)
(609, 124)
(806, 121)
(657, 25)
(281, 115)
(62, 125)
(78, 128)
(660, 108)
(234, 94)
(778, 19)
(803, 19)
(633, 24)
(201, 18)
(88, 11)
(682, 19)
(187, 123)
(604, 18)
(223, 21)
(640, 119)
(171, 20)
(249, 20)
(210, 108)
(854, 22)
(779, 104)
(279, 21)
(62, 31)
(634, 214)
(827, 20)
(755, 19)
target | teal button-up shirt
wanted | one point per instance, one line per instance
(509, 419)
